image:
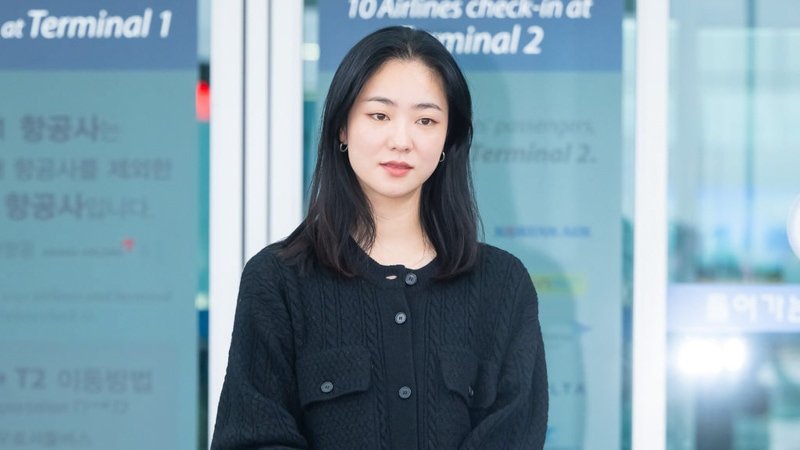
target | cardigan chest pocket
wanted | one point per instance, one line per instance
(329, 374)
(473, 380)
(333, 385)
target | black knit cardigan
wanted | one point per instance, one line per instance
(391, 359)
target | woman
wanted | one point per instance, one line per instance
(381, 322)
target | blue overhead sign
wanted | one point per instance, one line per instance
(85, 34)
(734, 308)
(572, 35)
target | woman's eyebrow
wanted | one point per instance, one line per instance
(380, 99)
(427, 106)
(389, 102)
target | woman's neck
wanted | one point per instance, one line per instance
(399, 236)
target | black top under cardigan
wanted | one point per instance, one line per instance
(392, 359)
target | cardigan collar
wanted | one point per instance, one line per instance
(381, 275)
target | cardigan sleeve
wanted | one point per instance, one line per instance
(518, 417)
(259, 406)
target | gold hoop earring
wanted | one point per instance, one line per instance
(442, 158)
(342, 147)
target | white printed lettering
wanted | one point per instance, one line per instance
(12, 29)
(579, 9)
(102, 26)
(36, 15)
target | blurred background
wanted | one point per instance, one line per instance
(138, 173)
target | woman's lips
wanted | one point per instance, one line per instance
(396, 168)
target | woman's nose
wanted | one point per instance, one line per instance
(400, 139)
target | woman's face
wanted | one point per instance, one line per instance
(396, 130)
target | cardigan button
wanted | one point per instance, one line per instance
(411, 279)
(404, 392)
(326, 387)
(470, 392)
(400, 318)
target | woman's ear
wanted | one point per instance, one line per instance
(343, 136)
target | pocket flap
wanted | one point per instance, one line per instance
(468, 377)
(333, 373)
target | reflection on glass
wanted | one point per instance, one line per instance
(734, 305)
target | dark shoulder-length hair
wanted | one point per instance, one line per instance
(338, 208)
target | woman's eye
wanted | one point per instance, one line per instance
(426, 121)
(379, 116)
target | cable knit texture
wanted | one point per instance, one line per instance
(392, 359)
